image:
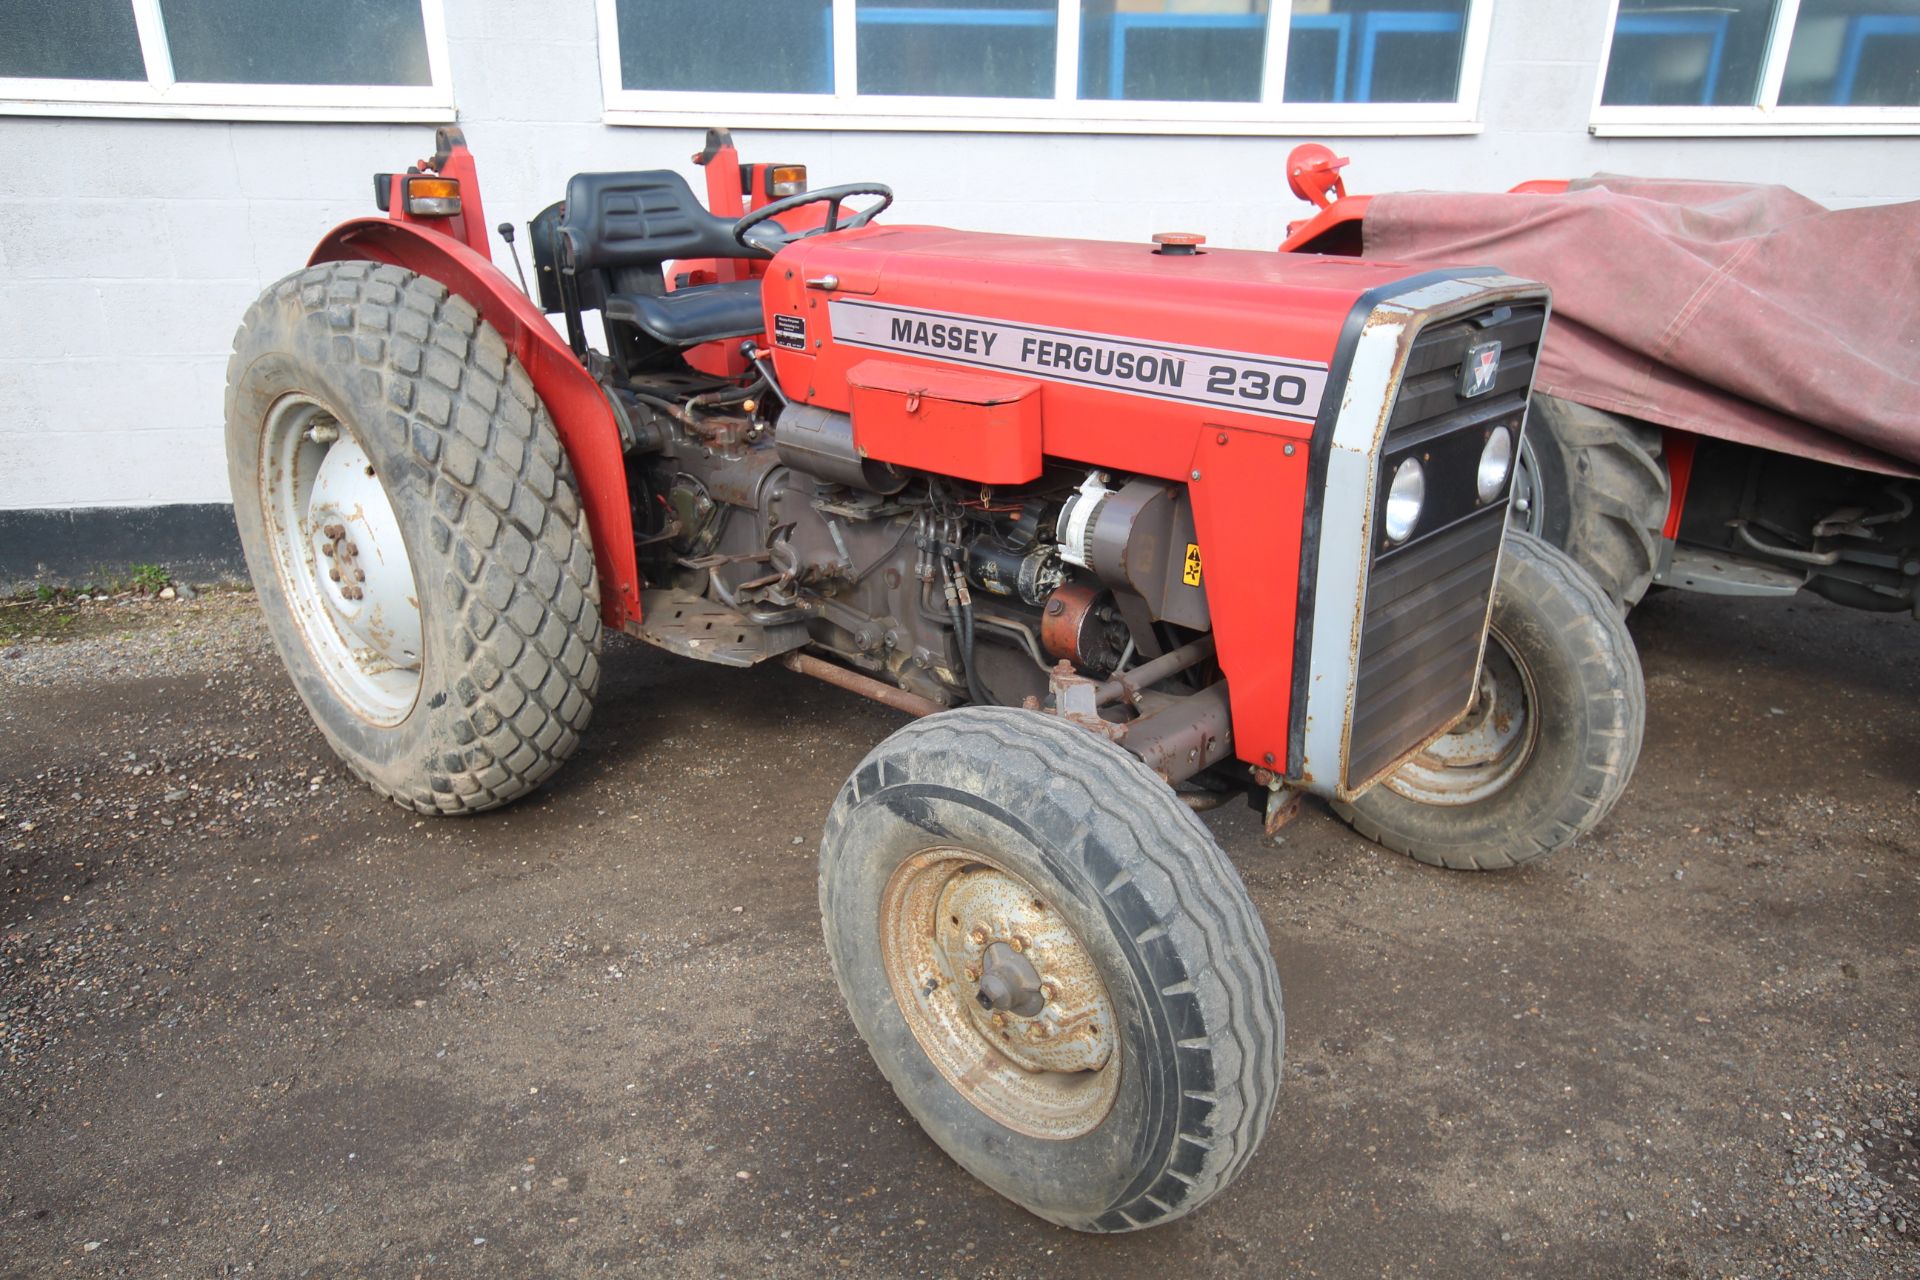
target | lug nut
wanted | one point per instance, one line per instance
(359, 575)
(326, 549)
(334, 574)
(979, 934)
(973, 974)
(1018, 944)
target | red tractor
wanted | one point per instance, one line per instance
(1111, 520)
(1730, 400)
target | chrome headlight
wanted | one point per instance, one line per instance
(1496, 462)
(1405, 496)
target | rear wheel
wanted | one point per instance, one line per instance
(413, 534)
(1054, 965)
(1592, 484)
(1552, 738)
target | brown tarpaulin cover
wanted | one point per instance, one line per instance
(1744, 312)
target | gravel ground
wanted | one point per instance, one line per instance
(254, 1020)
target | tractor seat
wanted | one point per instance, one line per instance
(689, 316)
(619, 229)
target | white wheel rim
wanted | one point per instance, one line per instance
(342, 562)
(951, 923)
(1485, 751)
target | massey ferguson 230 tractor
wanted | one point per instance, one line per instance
(1112, 520)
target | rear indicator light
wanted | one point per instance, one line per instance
(430, 197)
(786, 180)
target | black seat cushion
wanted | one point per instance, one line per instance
(687, 316)
(642, 219)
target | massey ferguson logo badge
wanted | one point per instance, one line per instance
(1479, 369)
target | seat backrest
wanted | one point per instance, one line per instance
(616, 221)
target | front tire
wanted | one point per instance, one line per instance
(1550, 743)
(413, 533)
(1054, 965)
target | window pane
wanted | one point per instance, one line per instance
(736, 46)
(1854, 53)
(1376, 50)
(1688, 55)
(270, 42)
(70, 40)
(1173, 50)
(957, 48)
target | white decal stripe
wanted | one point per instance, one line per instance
(1242, 383)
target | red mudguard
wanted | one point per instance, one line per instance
(575, 401)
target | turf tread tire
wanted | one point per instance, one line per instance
(487, 488)
(1162, 877)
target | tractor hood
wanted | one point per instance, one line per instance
(1127, 349)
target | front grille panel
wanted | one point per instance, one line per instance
(1420, 641)
(1430, 384)
(1426, 604)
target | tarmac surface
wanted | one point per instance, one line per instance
(254, 1020)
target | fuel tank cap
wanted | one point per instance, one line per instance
(1178, 243)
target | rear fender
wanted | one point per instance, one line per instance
(581, 413)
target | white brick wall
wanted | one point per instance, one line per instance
(129, 249)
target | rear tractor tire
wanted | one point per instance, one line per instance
(1551, 740)
(414, 535)
(1054, 965)
(1593, 484)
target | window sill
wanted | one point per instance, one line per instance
(356, 114)
(867, 122)
(1698, 122)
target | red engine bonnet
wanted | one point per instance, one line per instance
(1225, 356)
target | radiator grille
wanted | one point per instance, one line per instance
(1427, 599)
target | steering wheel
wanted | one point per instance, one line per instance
(772, 243)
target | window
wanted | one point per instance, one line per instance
(1762, 66)
(1161, 66)
(226, 59)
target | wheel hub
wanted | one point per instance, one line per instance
(1000, 993)
(1009, 983)
(342, 559)
(361, 560)
(1484, 752)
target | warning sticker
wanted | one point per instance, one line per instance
(1191, 375)
(790, 331)
(1191, 574)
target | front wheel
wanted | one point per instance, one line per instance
(1054, 965)
(1550, 742)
